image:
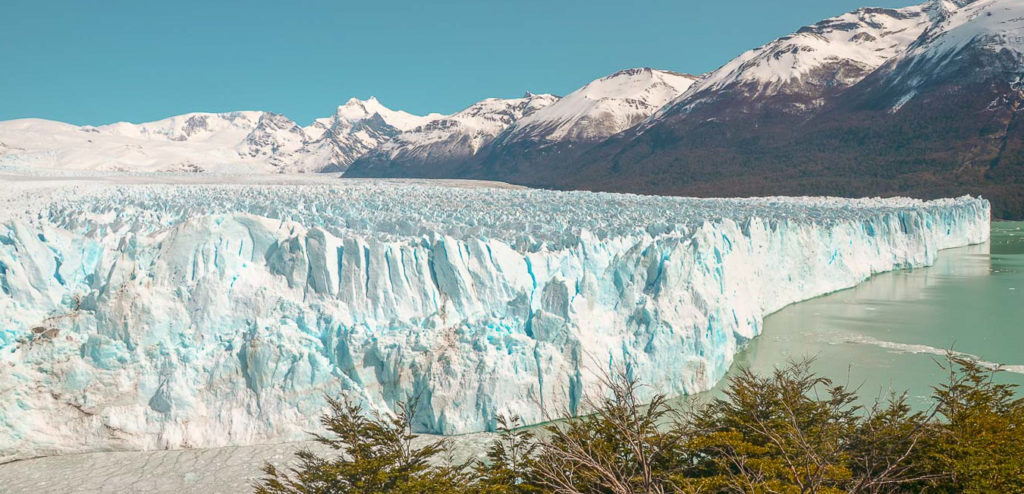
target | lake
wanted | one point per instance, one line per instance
(888, 332)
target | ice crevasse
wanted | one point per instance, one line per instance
(165, 316)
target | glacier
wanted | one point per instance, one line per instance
(156, 316)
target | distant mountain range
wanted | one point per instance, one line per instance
(922, 101)
(209, 142)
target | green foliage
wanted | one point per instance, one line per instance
(377, 456)
(789, 432)
(511, 461)
(981, 440)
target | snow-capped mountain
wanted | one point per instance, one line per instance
(447, 141)
(465, 132)
(921, 101)
(356, 111)
(797, 72)
(968, 41)
(245, 141)
(223, 128)
(490, 137)
(801, 71)
(356, 128)
(388, 141)
(190, 142)
(601, 108)
(275, 137)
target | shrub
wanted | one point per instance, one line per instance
(789, 432)
(376, 455)
(511, 461)
(980, 441)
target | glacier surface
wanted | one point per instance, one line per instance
(151, 316)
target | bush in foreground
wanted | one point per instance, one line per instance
(376, 455)
(789, 432)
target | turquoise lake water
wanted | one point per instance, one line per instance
(888, 332)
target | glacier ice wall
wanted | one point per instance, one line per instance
(146, 316)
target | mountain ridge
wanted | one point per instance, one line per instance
(845, 127)
(921, 100)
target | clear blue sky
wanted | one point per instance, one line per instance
(100, 61)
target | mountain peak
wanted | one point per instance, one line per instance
(603, 107)
(631, 72)
(361, 102)
(646, 71)
(821, 58)
(983, 26)
(357, 109)
(995, 24)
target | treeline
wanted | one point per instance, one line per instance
(790, 432)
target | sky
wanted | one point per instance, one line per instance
(102, 61)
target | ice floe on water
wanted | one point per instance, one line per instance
(930, 350)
